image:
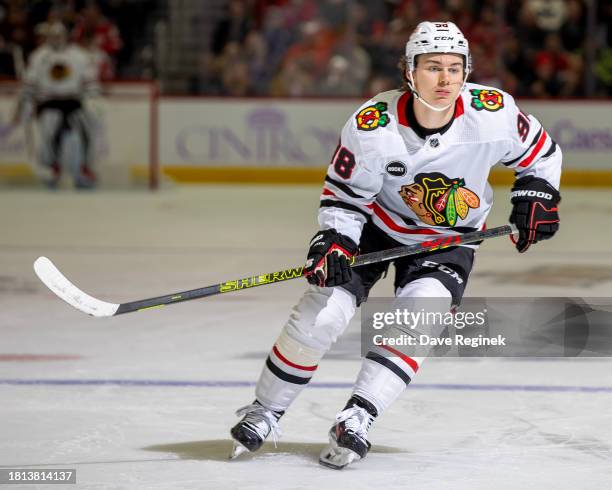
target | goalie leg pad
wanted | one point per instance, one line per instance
(315, 323)
(50, 134)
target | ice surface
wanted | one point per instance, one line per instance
(146, 400)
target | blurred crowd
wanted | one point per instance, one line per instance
(96, 26)
(537, 48)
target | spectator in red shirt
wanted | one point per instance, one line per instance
(105, 67)
(92, 24)
(553, 53)
(313, 51)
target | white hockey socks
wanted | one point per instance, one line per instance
(315, 323)
(287, 371)
(384, 378)
(386, 371)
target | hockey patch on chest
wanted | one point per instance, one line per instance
(396, 169)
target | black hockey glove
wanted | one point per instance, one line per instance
(535, 211)
(329, 259)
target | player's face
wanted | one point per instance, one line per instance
(438, 77)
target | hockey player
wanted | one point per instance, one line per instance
(59, 79)
(411, 164)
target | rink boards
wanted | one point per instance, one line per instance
(198, 139)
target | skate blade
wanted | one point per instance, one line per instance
(337, 458)
(237, 450)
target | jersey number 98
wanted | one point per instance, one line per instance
(522, 126)
(344, 162)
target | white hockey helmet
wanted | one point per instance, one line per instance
(437, 37)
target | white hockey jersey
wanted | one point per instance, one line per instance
(60, 74)
(414, 188)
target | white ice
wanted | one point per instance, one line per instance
(483, 429)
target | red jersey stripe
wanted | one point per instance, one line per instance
(401, 108)
(459, 110)
(387, 220)
(538, 147)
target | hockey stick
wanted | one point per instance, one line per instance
(61, 286)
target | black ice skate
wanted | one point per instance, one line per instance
(251, 432)
(348, 437)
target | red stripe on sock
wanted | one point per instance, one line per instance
(292, 364)
(408, 360)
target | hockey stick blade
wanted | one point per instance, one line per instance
(62, 287)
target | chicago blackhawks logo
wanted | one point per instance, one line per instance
(489, 100)
(438, 200)
(59, 71)
(372, 117)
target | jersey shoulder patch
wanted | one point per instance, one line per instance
(490, 112)
(486, 99)
(372, 117)
(377, 112)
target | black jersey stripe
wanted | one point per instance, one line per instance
(535, 140)
(463, 229)
(343, 187)
(551, 150)
(390, 365)
(289, 378)
(329, 203)
(409, 222)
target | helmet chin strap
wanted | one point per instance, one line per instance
(412, 86)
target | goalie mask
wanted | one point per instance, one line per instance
(436, 37)
(56, 36)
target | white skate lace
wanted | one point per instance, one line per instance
(261, 420)
(356, 419)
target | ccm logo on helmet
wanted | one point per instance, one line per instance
(540, 194)
(443, 38)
